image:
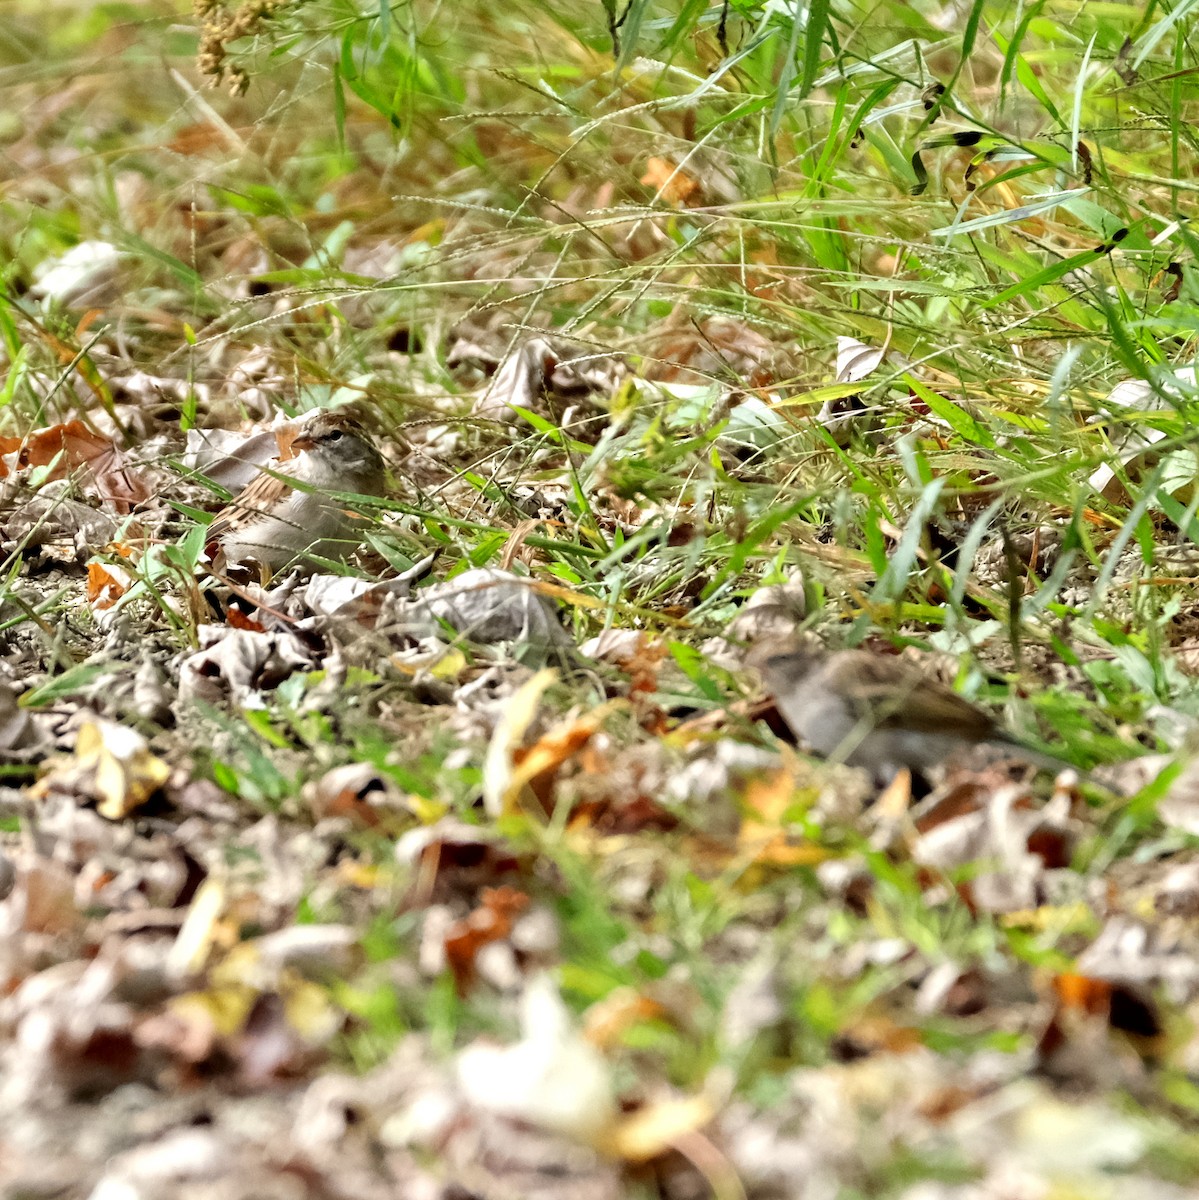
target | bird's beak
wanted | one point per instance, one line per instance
(302, 441)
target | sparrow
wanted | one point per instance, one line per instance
(877, 712)
(285, 516)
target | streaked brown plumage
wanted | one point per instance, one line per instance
(274, 524)
(876, 712)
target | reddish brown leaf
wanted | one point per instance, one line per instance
(236, 619)
(75, 447)
(104, 585)
(197, 138)
(1053, 846)
(671, 184)
(1080, 991)
(490, 922)
(945, 1102)
(614, 817)
(966, 796)
(538, 765)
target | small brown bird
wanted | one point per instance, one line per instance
(274, 523)
(876, 712)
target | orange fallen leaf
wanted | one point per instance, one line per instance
(896, 798)
(608, 1019)
(72, 446)
(236, 619)
(777, 852)
(670, 183)
(537, 766)
(762, 836)
(105, 584)
(1080, 991)
(767, 798)
(503, 784)
(490, 922)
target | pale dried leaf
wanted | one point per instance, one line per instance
(551, 1078)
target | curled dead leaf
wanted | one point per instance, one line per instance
(763, 836)
(658, 1127)
(1081, 991)
(451, 858)
(669, 182)
(490, 922)
(537, 766)
(607, 1020)
(106, 584)
(72, 446)
(113, 766)
(552, 1078)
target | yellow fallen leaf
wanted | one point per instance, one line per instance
(309, 1011)
(114, 765)
(223, 1009)
(778, 852)
(243, 966)
(426, 811)
(654, 1129)
(501, 787)
(768, 798)
(448, 665)
(896, 798)
(196, 935)
(763, 838)
(1061, 918)
(128, 773)
(350, 873)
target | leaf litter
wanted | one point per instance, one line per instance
(484, 868)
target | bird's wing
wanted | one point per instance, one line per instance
(891, 695)
(260, 496)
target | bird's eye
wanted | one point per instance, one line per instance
(335, 435)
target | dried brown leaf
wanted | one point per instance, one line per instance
(490, 922)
